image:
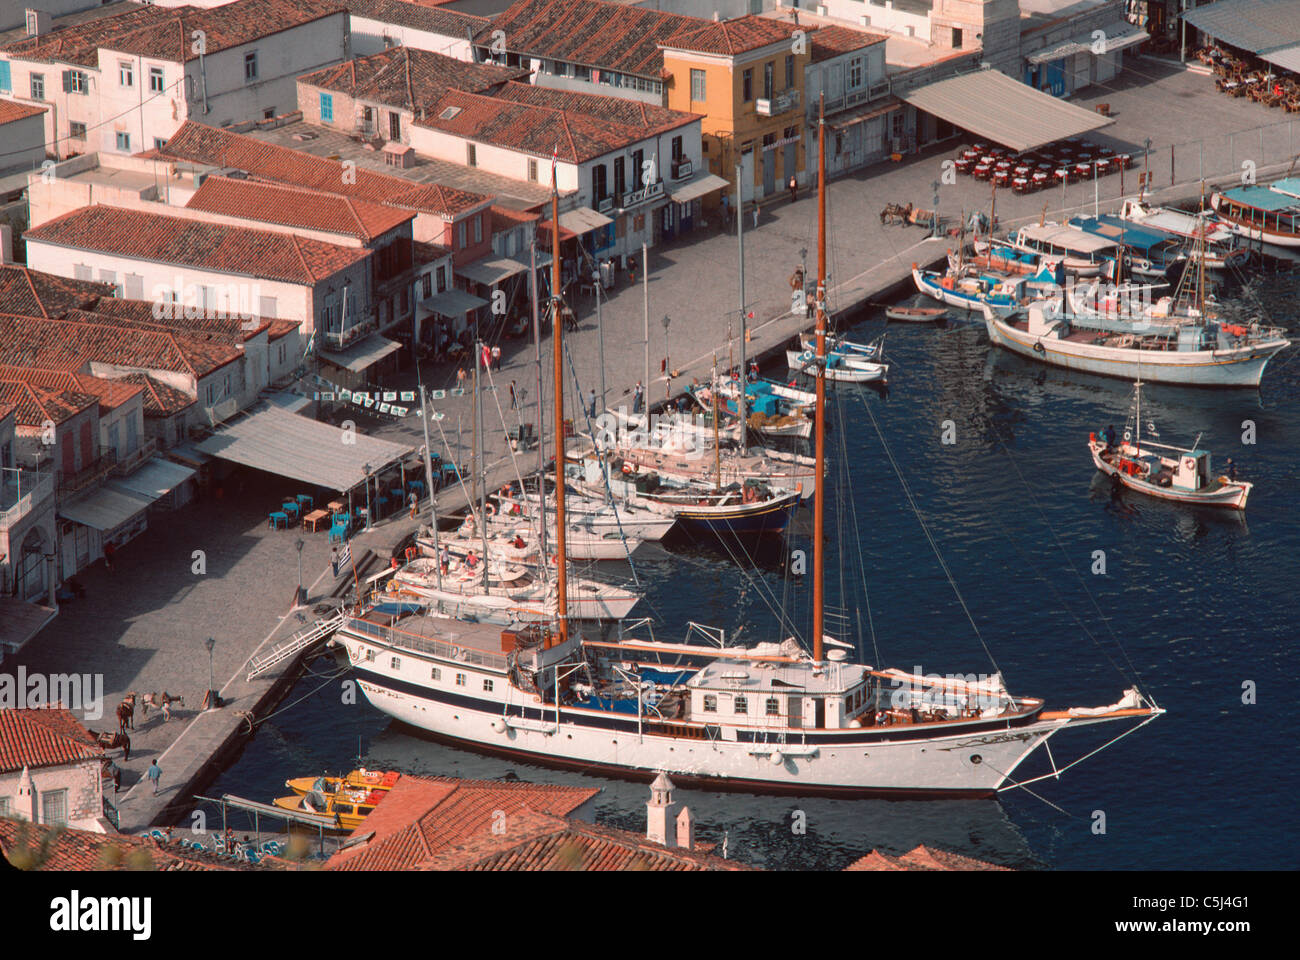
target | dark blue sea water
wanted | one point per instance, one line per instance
(1201, 605)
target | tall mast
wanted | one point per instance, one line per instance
(819, 501)
(557, 334)
(717, 448)
(541, 415)
(744, 379)
(428, 477)
(480, 465)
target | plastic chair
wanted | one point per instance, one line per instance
(278, 519)
(291, 508)
(306, 501)
(338, 532)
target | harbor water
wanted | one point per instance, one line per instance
(1072, 589)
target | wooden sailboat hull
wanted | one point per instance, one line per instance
(929, 284)
(849, 369)
(1229, 494)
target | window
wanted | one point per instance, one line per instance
(124, 141)
(159, 143)
(155, 79)
(125, 73)
(268, 306)
(54, 807)
(487, 686)
(395, 663)
(38, 86)
(710, 703)
(435, 673)
(394, 126)
(250, 67)
(478, 229)
(956, 38)
(471, 155)
(898, 123)
(620, 176)
(769, 82)
(698, 89)
(442, 278)
(76, 81)
(789, 71)
(426, 287)
(599, 183)
(747, 85)
(532, 171)
(855, 73)
(4, 801)
(6, 78)
(561, 69)
(460, 679)
(77, 130)
(638, 169)
(677, 148)
(773, 708)
(327, 108)
(742, 704)
(582, 73)
(461, 236)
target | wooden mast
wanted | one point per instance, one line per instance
(557, 334)
(819, 501)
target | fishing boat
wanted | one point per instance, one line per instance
(360, 779)
(1146, 253)
(1178, 473)
(844, 366)
(704, 460)
(997, 256)
(591, 515)
(911, 314)
(1081, 253)
(1222, 247)
(771, 409)
(1269, 214)
(970, 289)
(875, 350)
(767, 717)
(348, 805)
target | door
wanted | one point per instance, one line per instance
(795, 705)
(747, 176)
(790, 160)
(769, 172)
(819, 713)
(394, 126)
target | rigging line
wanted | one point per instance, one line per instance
(1037, 796)
(907, 491)
(281, 710)
(1038, 505)
(861, 556)
(460, 474)
(1056, 774)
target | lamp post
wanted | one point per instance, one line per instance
(300, 597)
(668, 379)
(366, 470)
(212, 697)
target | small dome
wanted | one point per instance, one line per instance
(662, 782)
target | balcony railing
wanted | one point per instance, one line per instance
(74, 483)
(34, 488)
(133, 461)
(779, 104)
(339, 339)
(850, 99)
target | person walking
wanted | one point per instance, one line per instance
(154, 773)
(793, 187)
(444, 559)
(591, 404)
(756, 215)
(496, 356)
(638, 397)
(514, 401)
(460, 378)
(110, 552)
(415, 504)
(726, 211)
(334, 561)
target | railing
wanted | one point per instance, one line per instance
(35, 489)
(850, 99)
(634, 198)
(133, 461)
(340, 339)
(435, 648)
(777, 105)
(83, 478)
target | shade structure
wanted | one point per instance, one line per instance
(271, 439)
(1258, 26)
(365, 353)
(992, 105)
(154, 480)
(583, 220)
(105, 509)
(698, 186)
(491, 271)
(863, 113)
(451, 303)
(1115, 36)
(20, 621)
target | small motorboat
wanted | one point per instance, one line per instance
(361, 779)
(349, 806)
(916, 314)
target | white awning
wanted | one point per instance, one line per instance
(20, 621)
(105, 509)
(154, 480)
(286, 444)
(490, 272)
(364, 353)
(1115, 36)
(583, 220)
(451, 303)
(992, 105)
(698, 186)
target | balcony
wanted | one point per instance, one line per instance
(850, 99)
(71, 484)
(340, 339)
(132, 462)
(35, 489)
(779, 104)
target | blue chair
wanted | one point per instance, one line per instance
(339, 531)
(278, 519)
(291, 508)
(306, 501)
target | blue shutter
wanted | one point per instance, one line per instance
(327, 107)
(6, 83)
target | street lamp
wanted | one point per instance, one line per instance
(668, 379)
(213, 700)
(366, 469)
(300, 597)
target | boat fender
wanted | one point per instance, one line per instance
(628, 468)
(499, 725)
(455, 653)
(491, 510)
(777, 758)
(1038, 347)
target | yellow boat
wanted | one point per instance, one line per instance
(362, 779)
(349, 806)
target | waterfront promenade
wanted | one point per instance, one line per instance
(143, 626)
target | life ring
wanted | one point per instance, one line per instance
(1189, 464)
(491, 510)
(455, 653)
(628, 468)
(1038, 347)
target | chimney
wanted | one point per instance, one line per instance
(38, 22)
(686, 829)
(716, 18)
(661, 811)
(6, 244)
(25, 809)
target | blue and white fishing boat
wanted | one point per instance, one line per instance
(771, 409)
(841, 366)
(1270, 214)
(1083, 254)
(971, 289)
(1147, 253)
(1223, 248)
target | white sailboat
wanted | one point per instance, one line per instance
(768, 717)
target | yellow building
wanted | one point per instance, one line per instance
(746, 77)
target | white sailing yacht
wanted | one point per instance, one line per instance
(768, 717)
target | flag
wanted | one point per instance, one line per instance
(346, 555)
(487, 357)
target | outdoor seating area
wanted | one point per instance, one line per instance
(1243, 75)
(243, 851)
(1067, 161)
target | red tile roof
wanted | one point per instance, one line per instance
(160, 399)
(110, 393)
(83, 850)
(732, 37)
(423, 816)
(543, 122)
(297, 207)
(610, 36)
(165, 34)
(422, 16)
(36, 294)
(11, 110)
(43, 737)
(203, 144)
(834, 40)
(922, 858)
(410, 79)
(140, 314)
(35, 405)
(210, 246)
(429, 252)
(505, 218)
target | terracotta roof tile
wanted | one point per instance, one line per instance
(36, 404)
(111, 394)
(43, 737)
(609, 36)
(505, 218)
(160, 399)
(36, 294)
(157, 237)
(834, 40)
(732, 37)
(410, 79)
(421, 16)
(429, 252)
(921, 858)
(203, 144)
(165, 34)
(297, 207)
(140, 313)
(11, 110)
(83, 850)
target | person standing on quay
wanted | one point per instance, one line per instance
(110, 552)
(793, 186)
(638, 397)
(154, 773)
